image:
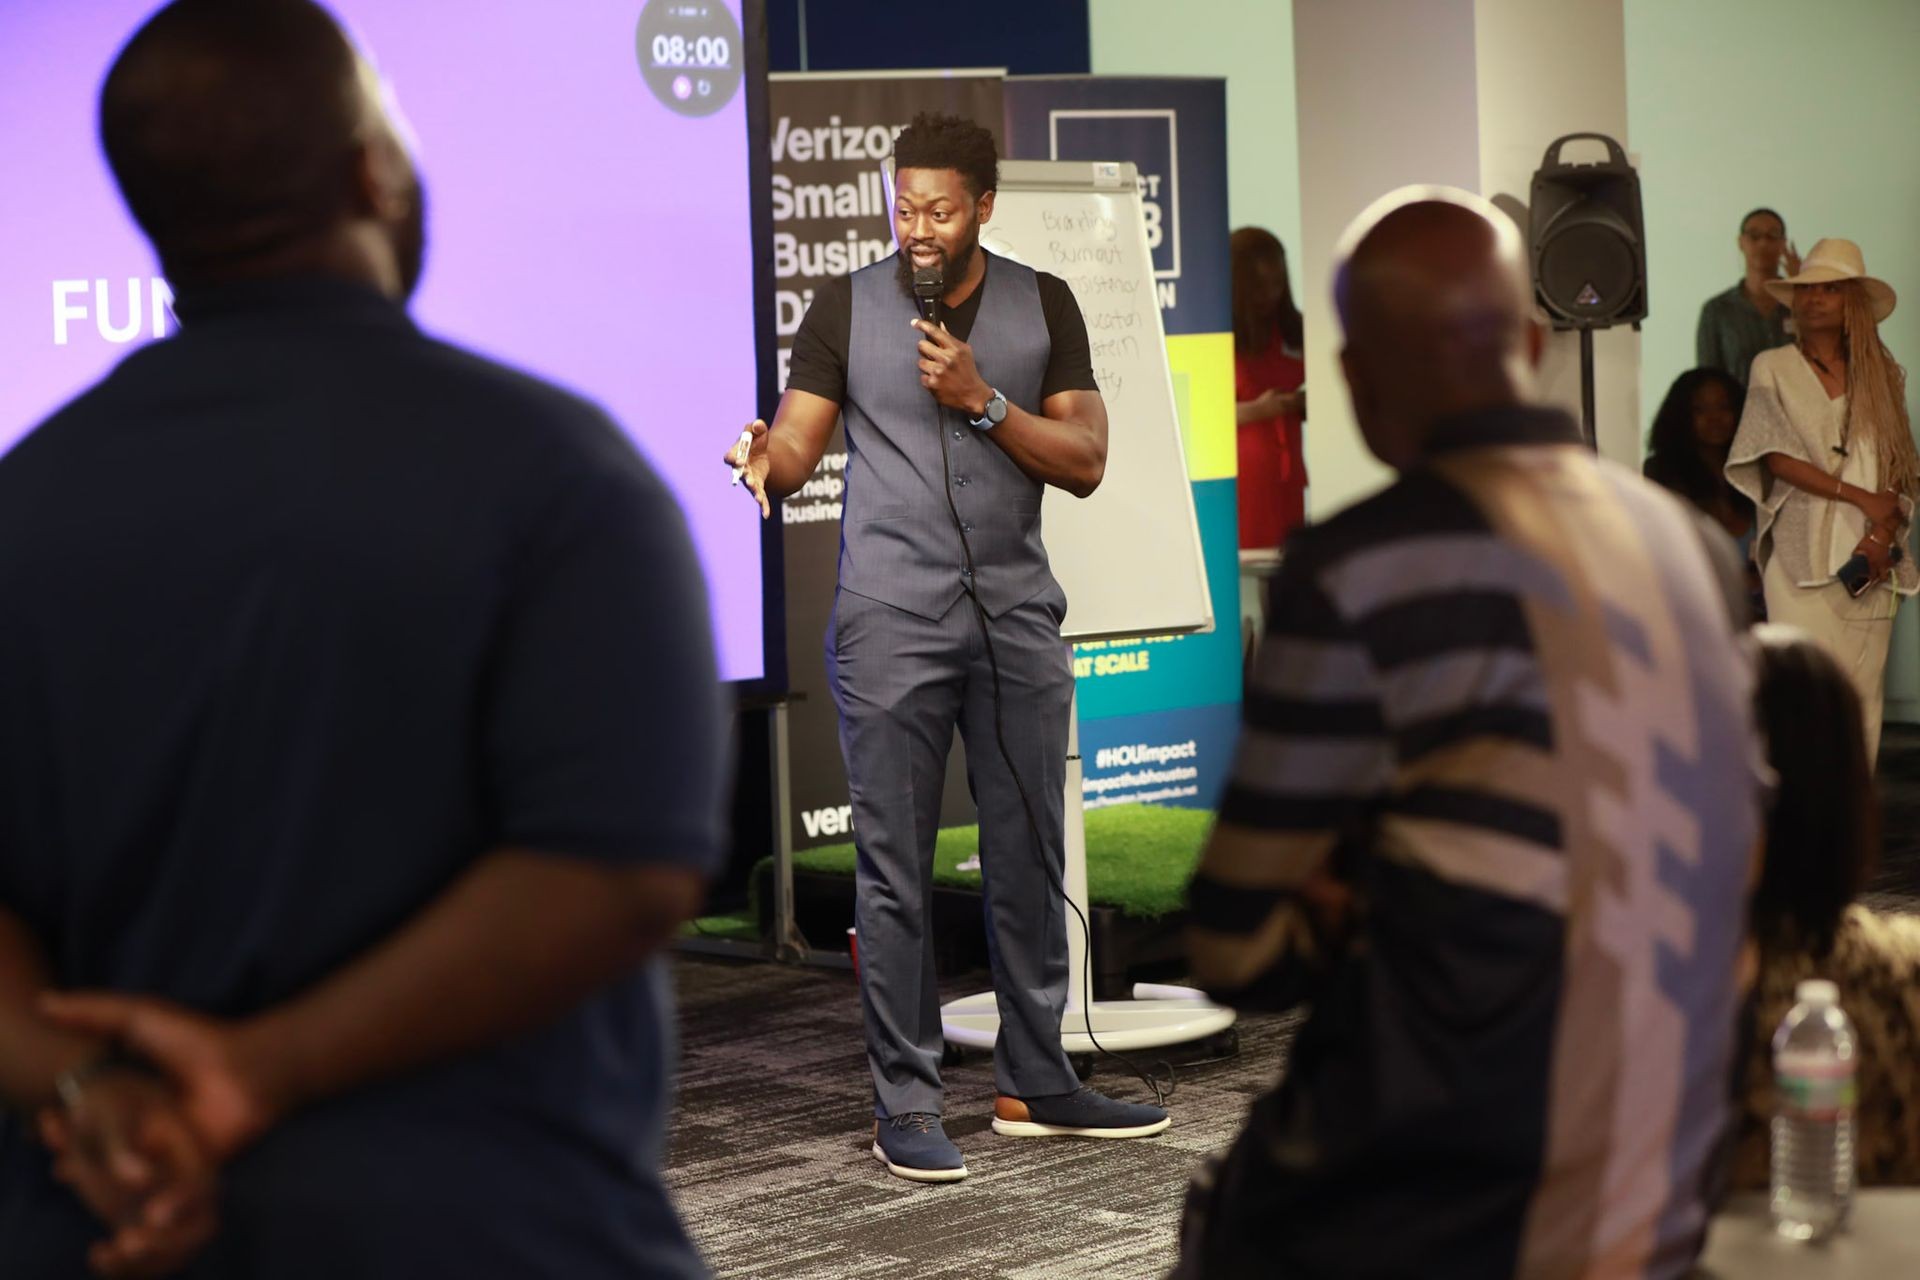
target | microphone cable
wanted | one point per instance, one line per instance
(1162, 1090)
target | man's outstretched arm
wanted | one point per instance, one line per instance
(779, 459)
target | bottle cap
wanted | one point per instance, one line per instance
(1817, 991)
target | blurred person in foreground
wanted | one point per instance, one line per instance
(362, 741)
(1269, 375)
(1823, 838)
(1747, 319)
(1493, 815)
(1825, 452)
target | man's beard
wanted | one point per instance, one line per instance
(952, 270)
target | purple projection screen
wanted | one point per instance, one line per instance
(587, 170)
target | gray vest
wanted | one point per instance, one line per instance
(897, 540)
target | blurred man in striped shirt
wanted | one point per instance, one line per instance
(1493, 816)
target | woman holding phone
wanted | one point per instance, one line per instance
(1826, 453)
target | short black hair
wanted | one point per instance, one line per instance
(229, 126)
(935, 141)
(1823, 835)
(1754, 213)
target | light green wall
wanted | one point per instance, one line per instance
(1807, 108)
(1250, 42)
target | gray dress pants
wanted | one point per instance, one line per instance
(902, 683)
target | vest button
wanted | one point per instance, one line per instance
(961, 481)
(966, 528)
(959, 435)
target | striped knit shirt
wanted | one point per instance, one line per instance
(1493, 815)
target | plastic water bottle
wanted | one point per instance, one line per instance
(1813, 1062)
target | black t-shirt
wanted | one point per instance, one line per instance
(819, 359)
(305, 612)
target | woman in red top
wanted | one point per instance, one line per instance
(1268, 373)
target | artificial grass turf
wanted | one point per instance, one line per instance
(1139, 857)
(741, 926)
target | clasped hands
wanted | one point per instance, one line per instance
(1887, 526)
(142, 1148)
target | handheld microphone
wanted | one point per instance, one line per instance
(929, 283)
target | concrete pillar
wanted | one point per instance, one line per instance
(1463, 92)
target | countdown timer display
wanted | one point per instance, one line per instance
(690, 54)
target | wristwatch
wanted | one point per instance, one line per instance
(995, 413)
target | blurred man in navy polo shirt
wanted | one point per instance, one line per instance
(359, 741)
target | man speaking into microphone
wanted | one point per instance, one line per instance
(966, 383)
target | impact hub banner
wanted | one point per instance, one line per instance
(1159, 717)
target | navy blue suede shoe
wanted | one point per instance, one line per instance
(915, 1147)
(1080, 1114)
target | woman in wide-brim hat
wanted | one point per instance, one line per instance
(1826, 453)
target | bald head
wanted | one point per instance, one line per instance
(248, 137)
(1436, 302)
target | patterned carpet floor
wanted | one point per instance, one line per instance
(770, 1160)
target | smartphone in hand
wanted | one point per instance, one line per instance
(1856, 575)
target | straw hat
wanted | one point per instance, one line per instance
(1831, 260)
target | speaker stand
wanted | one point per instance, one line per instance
(1587, 423)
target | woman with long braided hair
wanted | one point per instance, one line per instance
(1826, 452)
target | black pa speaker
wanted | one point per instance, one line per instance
(1589, 242)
